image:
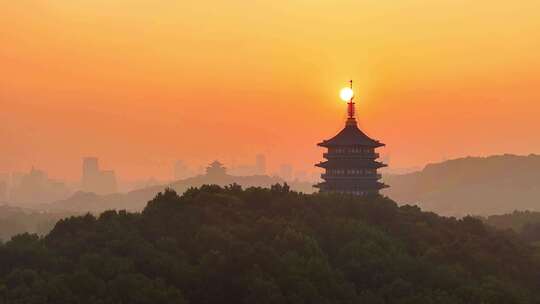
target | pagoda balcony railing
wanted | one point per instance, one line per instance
(351, 176)
(329, 155)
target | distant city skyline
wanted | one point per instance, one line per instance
(36, 184)
(181, 169)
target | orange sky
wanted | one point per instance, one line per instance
(140, 83)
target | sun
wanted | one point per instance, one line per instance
(346, 94)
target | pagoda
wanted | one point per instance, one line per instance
(216, 169)
(351, 161)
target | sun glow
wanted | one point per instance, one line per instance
(346, 94)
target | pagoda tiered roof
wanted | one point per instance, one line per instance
(351, 135)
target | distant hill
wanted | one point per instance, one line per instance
(472, 185)
(14, 220)
(227, 245)
(82, 202)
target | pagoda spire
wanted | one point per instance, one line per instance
(351, 117)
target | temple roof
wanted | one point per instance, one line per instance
(216, 168)
(349, 136)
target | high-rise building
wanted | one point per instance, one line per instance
(36, 188)
(108, 182)
(97, 181)
(260, 164)
(351, 165)
(90, 174)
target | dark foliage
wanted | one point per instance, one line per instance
(15, 220)
(228, 245)
(516, 220)
(525, 223)
(531, 232)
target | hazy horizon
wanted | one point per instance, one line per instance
(140, 84)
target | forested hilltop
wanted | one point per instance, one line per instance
(525, 223)
(14, 220)
(136, 200)
(228, 245)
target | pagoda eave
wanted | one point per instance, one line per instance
(326, 144)
(329, 186)
(371, 164)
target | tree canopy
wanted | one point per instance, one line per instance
(228, 245)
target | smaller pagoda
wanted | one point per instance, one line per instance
(216, 169)
(351, 161)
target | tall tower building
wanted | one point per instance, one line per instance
(95, 180)
(351, 161)
(90, 174)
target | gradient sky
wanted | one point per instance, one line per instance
(140, 83)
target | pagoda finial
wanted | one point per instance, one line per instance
(350, 104)
(347, 95)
